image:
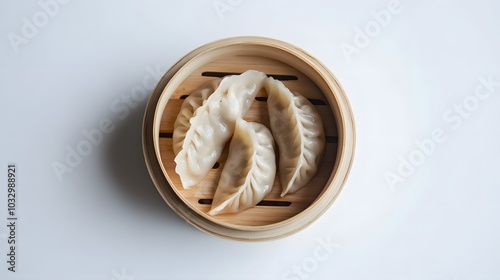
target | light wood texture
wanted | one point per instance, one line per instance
(237, 55)
(258, 215)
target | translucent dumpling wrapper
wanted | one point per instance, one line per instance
(249, 171)
(299, 134)
(212, 125)
(189, 106)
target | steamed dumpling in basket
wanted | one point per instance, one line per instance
(299, 133)
(199, 142)
(249, 172)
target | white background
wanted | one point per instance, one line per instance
(105, 219)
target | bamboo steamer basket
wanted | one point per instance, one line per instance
(274, 217)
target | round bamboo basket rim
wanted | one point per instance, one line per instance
(345, 151)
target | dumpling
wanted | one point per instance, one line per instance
(299, 133)
(212, 125)
(190, 104)
(249, 172)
